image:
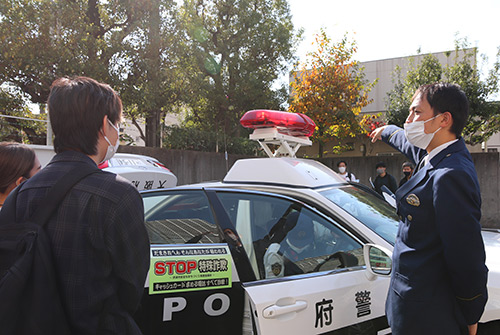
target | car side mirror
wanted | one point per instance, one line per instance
(378, 261)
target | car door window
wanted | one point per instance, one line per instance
(181, 217)
(284, 238)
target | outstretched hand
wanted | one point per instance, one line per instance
(377, 134)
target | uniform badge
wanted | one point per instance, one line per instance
(413, 200)
(276, 268)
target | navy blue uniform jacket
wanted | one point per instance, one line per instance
(438, 283)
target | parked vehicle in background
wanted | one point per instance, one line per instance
(144, 172)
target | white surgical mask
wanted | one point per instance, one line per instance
(415, 134)
(111, 148)
(342, 169)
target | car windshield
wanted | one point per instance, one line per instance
(373, 212)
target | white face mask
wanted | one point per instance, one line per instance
(415, 134)
(111, 148)
(342, 169)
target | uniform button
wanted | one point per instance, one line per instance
(409, 217)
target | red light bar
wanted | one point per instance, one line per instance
(158, 164)
(294, 124)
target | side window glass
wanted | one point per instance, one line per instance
(283, 238)
(180, 218)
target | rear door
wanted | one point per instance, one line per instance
(310, 271)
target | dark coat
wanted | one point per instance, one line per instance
(99, 243)
(438, 283)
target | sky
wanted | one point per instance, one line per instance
(396, 28)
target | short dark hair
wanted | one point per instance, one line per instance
(338, 164)
(16, 160)
(445, 97)
(77, 107)
(408, 164)
(380, 164)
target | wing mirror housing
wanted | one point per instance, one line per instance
(378, 261)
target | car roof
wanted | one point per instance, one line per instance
(284, 171)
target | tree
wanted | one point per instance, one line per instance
(484, 118)
(399, 98)
(236, 49)
(44, 39)
(330, 88)
(119, 42)
(17, 121)
(147, 72)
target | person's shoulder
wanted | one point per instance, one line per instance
(111, 180)
(456, 161)
(108, 186)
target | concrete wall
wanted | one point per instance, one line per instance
(194, 167)
(189, 166)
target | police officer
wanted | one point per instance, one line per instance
(438, 283)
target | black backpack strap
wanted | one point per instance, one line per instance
(57, 193)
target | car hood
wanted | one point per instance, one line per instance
(492, 245)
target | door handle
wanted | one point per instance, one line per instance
(275, 310)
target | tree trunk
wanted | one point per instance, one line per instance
(153, 67)
(153, 129)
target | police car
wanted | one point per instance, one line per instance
(280, 246)
(144, 172)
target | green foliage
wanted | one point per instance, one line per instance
(235, 50)
(462, 70)
(399, 99)
(16, 129)
(188, 138)
(146, 72)
(44, 39)
(218, 58)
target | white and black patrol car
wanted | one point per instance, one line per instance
(280, 246)
(144, 172)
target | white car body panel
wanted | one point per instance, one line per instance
(142, 171)
(492, 246)
(287, 171)
(290, 307)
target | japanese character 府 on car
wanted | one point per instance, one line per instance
(280, 246)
